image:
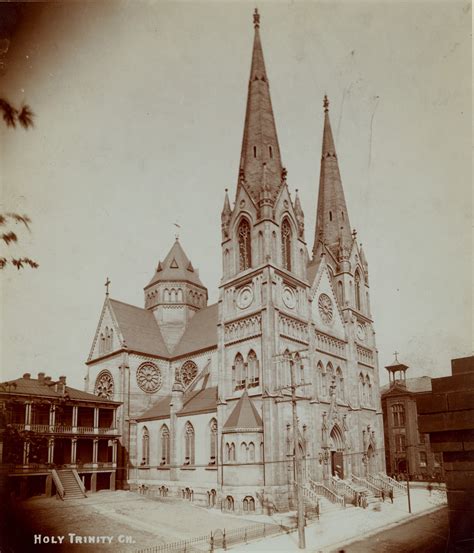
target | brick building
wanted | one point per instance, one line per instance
(447, 415)
(202, 385)
(56, 439)
(407, 449)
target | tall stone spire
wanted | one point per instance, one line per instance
(260, 158)
(332, 219)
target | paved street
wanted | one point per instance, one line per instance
(426, 534)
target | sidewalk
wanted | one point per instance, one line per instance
(343, 526)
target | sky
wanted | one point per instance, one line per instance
(139, 119)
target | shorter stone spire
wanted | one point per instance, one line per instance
(299, 215)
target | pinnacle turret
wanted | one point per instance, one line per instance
(332, 222)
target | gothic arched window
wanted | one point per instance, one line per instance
(145, 446)
(340, 293)
(398, 412)
(213, 442)
(239, 372)
(189, 444)
(243, 452)
(286, 244)
(361, 388)
(165, 445)
(252, 369)
(251, 452)
(357, 290)
(245, 248)
(340, 383)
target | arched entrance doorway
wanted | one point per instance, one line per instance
(336, 448)
(370, 460)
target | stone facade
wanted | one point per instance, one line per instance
(277, 306)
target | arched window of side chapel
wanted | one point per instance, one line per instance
(286, 244)
(245, 248)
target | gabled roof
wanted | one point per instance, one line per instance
(139, 329)
(244, 417)
(161, 410)
(35, 387)
(413, 385)
(200, 401)
(176, 267)
(201, 332)
(203, 400)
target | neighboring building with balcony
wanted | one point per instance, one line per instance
(406, 449)
(50, 432)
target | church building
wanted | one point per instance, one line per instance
(205, 389)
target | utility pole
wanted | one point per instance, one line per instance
(298, 471)
(297, 454)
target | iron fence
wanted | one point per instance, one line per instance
(220, 539)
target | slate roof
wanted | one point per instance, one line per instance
(414, 385)
(201, 332)
(34, 387)
(161, 410)
(139, 329)
(175, 267)
(244, 416)
(203, 400)
(200, 401)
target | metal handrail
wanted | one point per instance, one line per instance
(393, 482)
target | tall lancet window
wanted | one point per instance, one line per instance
(188, 444)
(357, 290)
(245, 249)
(286, 244)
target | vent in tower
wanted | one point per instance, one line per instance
(174, 264)
(190, 267)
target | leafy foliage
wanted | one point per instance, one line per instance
(24, 117)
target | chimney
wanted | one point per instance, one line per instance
(61, 385)
(41, 378)
(27, 376)
(47, 380)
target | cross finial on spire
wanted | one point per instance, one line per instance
(107, 284)
(177, 232)
(396, 358)
(256, 19)
(326, 103)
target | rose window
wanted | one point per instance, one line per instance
(325, 308)
(149, 377)
(188, 372)
(104, 385)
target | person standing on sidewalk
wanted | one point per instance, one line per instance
(390, 494)
(383, 495)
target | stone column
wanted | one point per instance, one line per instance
(26, 452)
(28, 413)
(95, 450)
(51, 450)
(52, 416)
(74, 417)
(73, 450)
(114, 452)
(96, 418)
(176, 405)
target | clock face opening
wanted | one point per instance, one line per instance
(245, 297)
(289, 298)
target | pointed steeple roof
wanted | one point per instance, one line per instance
(175, 267)
(332, 219)
(260, 161)
(244, 417)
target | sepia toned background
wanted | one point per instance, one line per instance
(139, 117)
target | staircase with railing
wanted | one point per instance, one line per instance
(381, 484)
(400, 486)
(68, 484)
(323, 491)
(376, 491)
